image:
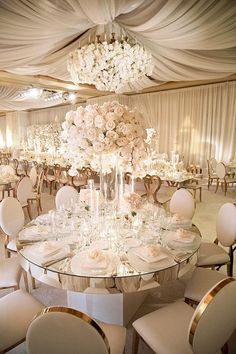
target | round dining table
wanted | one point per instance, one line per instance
(109, 265)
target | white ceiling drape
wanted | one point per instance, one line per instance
(194, 39)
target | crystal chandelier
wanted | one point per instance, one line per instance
(109, 65)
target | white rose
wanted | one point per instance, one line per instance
(66, 125)
(69, 116)
(122, 141)
(119, 110)
(111, 134)
(83, 143)
(91, 134)
(88, 120)
(101, 137)
(73, 131)
(98, 146)
(110, 125)
(99, 122)
(111, 116)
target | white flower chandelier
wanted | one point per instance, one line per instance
(109, 66)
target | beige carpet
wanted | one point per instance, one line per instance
(204, 218)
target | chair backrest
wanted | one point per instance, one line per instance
(213, 163)
(64, 195)
(40, 182)
(182, 203)
(152, 185)
(65, 330)
(9, 170)
(220, 170)
(226, 224)
(12, 217)
(214, 319)
(33, 175)
(24, 190)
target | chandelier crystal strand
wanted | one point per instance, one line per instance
(109, 65)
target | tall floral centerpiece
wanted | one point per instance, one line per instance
(109, 138)
(111, 129)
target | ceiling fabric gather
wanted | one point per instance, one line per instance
(189, 40)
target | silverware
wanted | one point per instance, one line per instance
(125, 261)
(49, 263)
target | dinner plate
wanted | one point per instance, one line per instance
(143, 267)
(78, 264)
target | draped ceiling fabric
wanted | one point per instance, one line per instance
(189, 40)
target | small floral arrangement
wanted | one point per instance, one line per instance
(111, 129)
(134, 200)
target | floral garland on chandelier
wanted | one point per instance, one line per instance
(111, 129)
(109, 66)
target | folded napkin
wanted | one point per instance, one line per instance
(180, 220)
(43, 218)
(95, 259)
(46, 252)
(184, 236)
(33, 233)
(149, 254)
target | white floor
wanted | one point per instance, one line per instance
(204, 218)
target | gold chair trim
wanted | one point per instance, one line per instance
(203, 305)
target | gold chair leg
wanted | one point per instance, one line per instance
(136, 338)
(28, 209)
(25, 280)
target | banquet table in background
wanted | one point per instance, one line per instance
(63, 257)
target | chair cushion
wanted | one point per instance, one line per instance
(116, 336)
(202, 281)
(156, 327)
(11, 246)
(210, 254)
(9, 272)
(17, 310)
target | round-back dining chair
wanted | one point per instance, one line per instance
(65, 330)
(23, 192)
(211, 254)
(182, 203)
(64, 195)
(33, 175)
(179, 329)
(12, 220)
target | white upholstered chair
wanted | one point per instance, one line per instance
(182, 203)
(64, 195)
(201, 281)
(33, 175)
(36, 194)
(211, 169)
(23, 193)
(179, 329)
(10, 273)
(223, 178)
(63, 330)
(17, 310)
(12, 220)
(210, 254)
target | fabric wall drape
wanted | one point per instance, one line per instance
(197, 122)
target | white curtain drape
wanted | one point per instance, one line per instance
(197, 122)
(189, 40)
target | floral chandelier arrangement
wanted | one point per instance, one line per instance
(108, 130)
(109, 65)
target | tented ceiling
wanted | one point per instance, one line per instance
(189, 40)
